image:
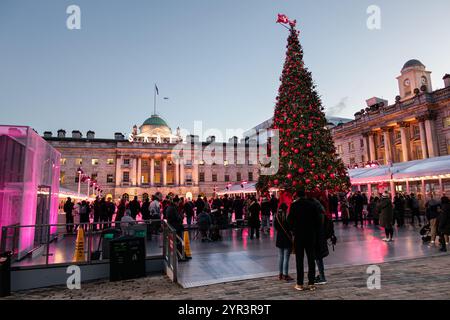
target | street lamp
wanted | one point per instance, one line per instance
(80, 172)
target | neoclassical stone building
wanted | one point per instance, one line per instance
(143, 162)
(416, 126)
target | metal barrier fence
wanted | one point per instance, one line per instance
(55, 243)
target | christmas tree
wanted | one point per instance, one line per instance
(308, 158)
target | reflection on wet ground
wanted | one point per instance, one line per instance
(237, 257)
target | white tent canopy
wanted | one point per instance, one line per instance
(432, 168)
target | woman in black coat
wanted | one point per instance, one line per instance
(284, 242)
(326, 230)
(253, 220)
(444, 223)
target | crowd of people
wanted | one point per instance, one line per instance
(305, 227)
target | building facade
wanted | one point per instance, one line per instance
(143, 163)
(416, 126)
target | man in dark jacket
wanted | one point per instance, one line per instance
(444, 223)
(135, 207)
(199, 205)
(175, 220)
(110, 209)
(265, 214)
(333, 203)
(304, 220)
(253, 220)
(97, 212)
(68, 208)
(432, 213)
(238, 207)
(358, 201)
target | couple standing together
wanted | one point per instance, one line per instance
(305, 230)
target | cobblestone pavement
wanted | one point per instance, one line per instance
(423, 279)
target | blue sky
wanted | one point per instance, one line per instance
(218, 61)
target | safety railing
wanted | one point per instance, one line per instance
(37, 245)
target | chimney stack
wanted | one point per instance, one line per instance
(119, 136)
(446, 79)
(61, 133)
(90, 134)
(48, 134)
(76, 134)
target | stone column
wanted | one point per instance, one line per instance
(423, 138)
(139, 172)
(152, 171)
(433, 150)
(405, 140)
(387, 145)
(133, 172)
(372, 147)
(369, 190)
(164, 169)
(182, 172)
(118, 170)
(195, 173)
(441, 187)
(366, 147)
(177, 172)
(407, 187)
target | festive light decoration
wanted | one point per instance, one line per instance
(309, 159)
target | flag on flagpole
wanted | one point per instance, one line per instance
(156, 89)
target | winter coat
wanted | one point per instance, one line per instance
(432, 209)
(284, 235)
(321, 249)
(444, 219)
(254, 210)
(386, 213)
(265, 207)
(304, 220)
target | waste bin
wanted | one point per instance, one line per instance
(107, 236)
(127, 258)
(5, 274)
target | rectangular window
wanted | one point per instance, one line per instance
(238, 176)
(126, 176)
(351, 147)
(447, 122)
(225, 163)
(79, 161)
(416, 131)
(94, 162)
(201, 177)
(250, 176)
(339, 149)
(63, 161)
(110, 161)
(94, 176)
(77, 178)
(361, 143)
(227, 178)
(62, 177)
(126, 161)
(145, 163)
(214, 177)
(109, 178)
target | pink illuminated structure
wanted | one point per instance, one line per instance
(29, 185)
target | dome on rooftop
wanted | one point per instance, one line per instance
(413, 63)
(156, 121)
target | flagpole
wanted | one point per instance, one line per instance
(154, 100)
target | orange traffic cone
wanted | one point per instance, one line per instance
(79, 246)
(187, 245)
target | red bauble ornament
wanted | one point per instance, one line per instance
(308, 145)
(307, 181)
(332, 175)
(275, 182)
(289, 176)
(301, 170)
(296, 151)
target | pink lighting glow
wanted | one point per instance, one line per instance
(29, 184)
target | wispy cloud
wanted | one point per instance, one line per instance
(337, 109)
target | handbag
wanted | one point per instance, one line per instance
(290, 237)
